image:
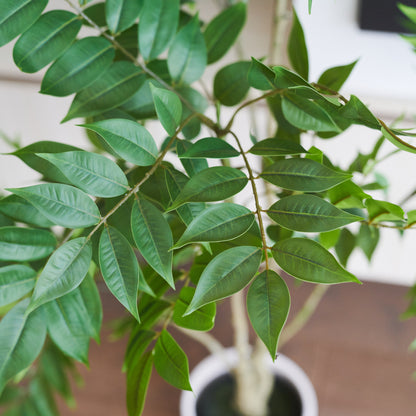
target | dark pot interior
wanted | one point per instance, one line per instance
(217, 398)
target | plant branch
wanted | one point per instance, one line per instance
(303, 316)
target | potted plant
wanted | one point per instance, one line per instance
(165, 223)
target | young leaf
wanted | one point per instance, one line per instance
(187, 56)
(212, 184)
(119, 268)
(383, 211)
(297, 51)
(210, 147)
(22, 338)
(309, 213)
(94, 174)
(78, 67)
(223, 30)
(128, 139)
(46, 40)
(347, 195)
(358, 113)
(121, 14)
(62, 204)
(171, 362)
(303, 175)
(16, 281)
(25, 244)
(260, 76)
(138, 378)
(153, 237)
(158, 23)
(229, 272)
(309, 6)
(191, 166)
(64, 271)
(168, 108)
(200, 320)
(335, 77)
(20, 210)
(74, 318)
(306, 114)
(307, 260)
(231, 83)
(284, 78)
(219, 222)
(115, 86)
(17, 16)
(268, 303)
(277, 147)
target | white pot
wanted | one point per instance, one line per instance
(214, 366)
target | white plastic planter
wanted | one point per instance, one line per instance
(214, 366)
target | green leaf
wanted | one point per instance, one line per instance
(115, 86)
(128, 139)
(309, 213)
(329, 238)
(62, 204)
(200, 320)
(335, 77)
(28, 155)
(20, 210)
(303, 175)
(139, 340)
(297, 50)
(119, 268)
(231, 83)
(92, 173)
(229, 272)
(22, 337)
(158, 24)
(345, 246)
(64, 271)
(46, 40)
(367, 239)
(307, 260)
(16, 281)
(383, 211)
(284, 78)
(17, 16)
(168, 108)
(138, 378)
(358, 113)
(121, 14)
(191, 166)
(347, 195)
(411, 217)
(306, 114)
(268, 304)
(397, 141)
(74, 318)
(260, 76)
(78, 67)
(277, 147)
(171, 362)
(41, 397)
(153, 237)
(25, 244)
(212, 184)
(309, 6)
(222, 32)
(210, 147)
(187, 56)
(219, 222)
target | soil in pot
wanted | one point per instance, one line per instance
(216, 398)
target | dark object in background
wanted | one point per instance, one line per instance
(384, 16)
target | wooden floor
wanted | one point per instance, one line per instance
(354, 349)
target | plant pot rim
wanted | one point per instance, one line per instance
(215, 365)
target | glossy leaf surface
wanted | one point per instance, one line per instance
(277, 147)
(303, 175)
(128, 139)
(308, 260)
(46, 40)
(64, 271)
(268, 303)
(62, 204)
(229, 272)
(334, 78)
(16, 281)
(297, 51)
(119, 268)
(309, 213)
(25, 244)
(121, 14)
(210, 147)
(153, 237)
